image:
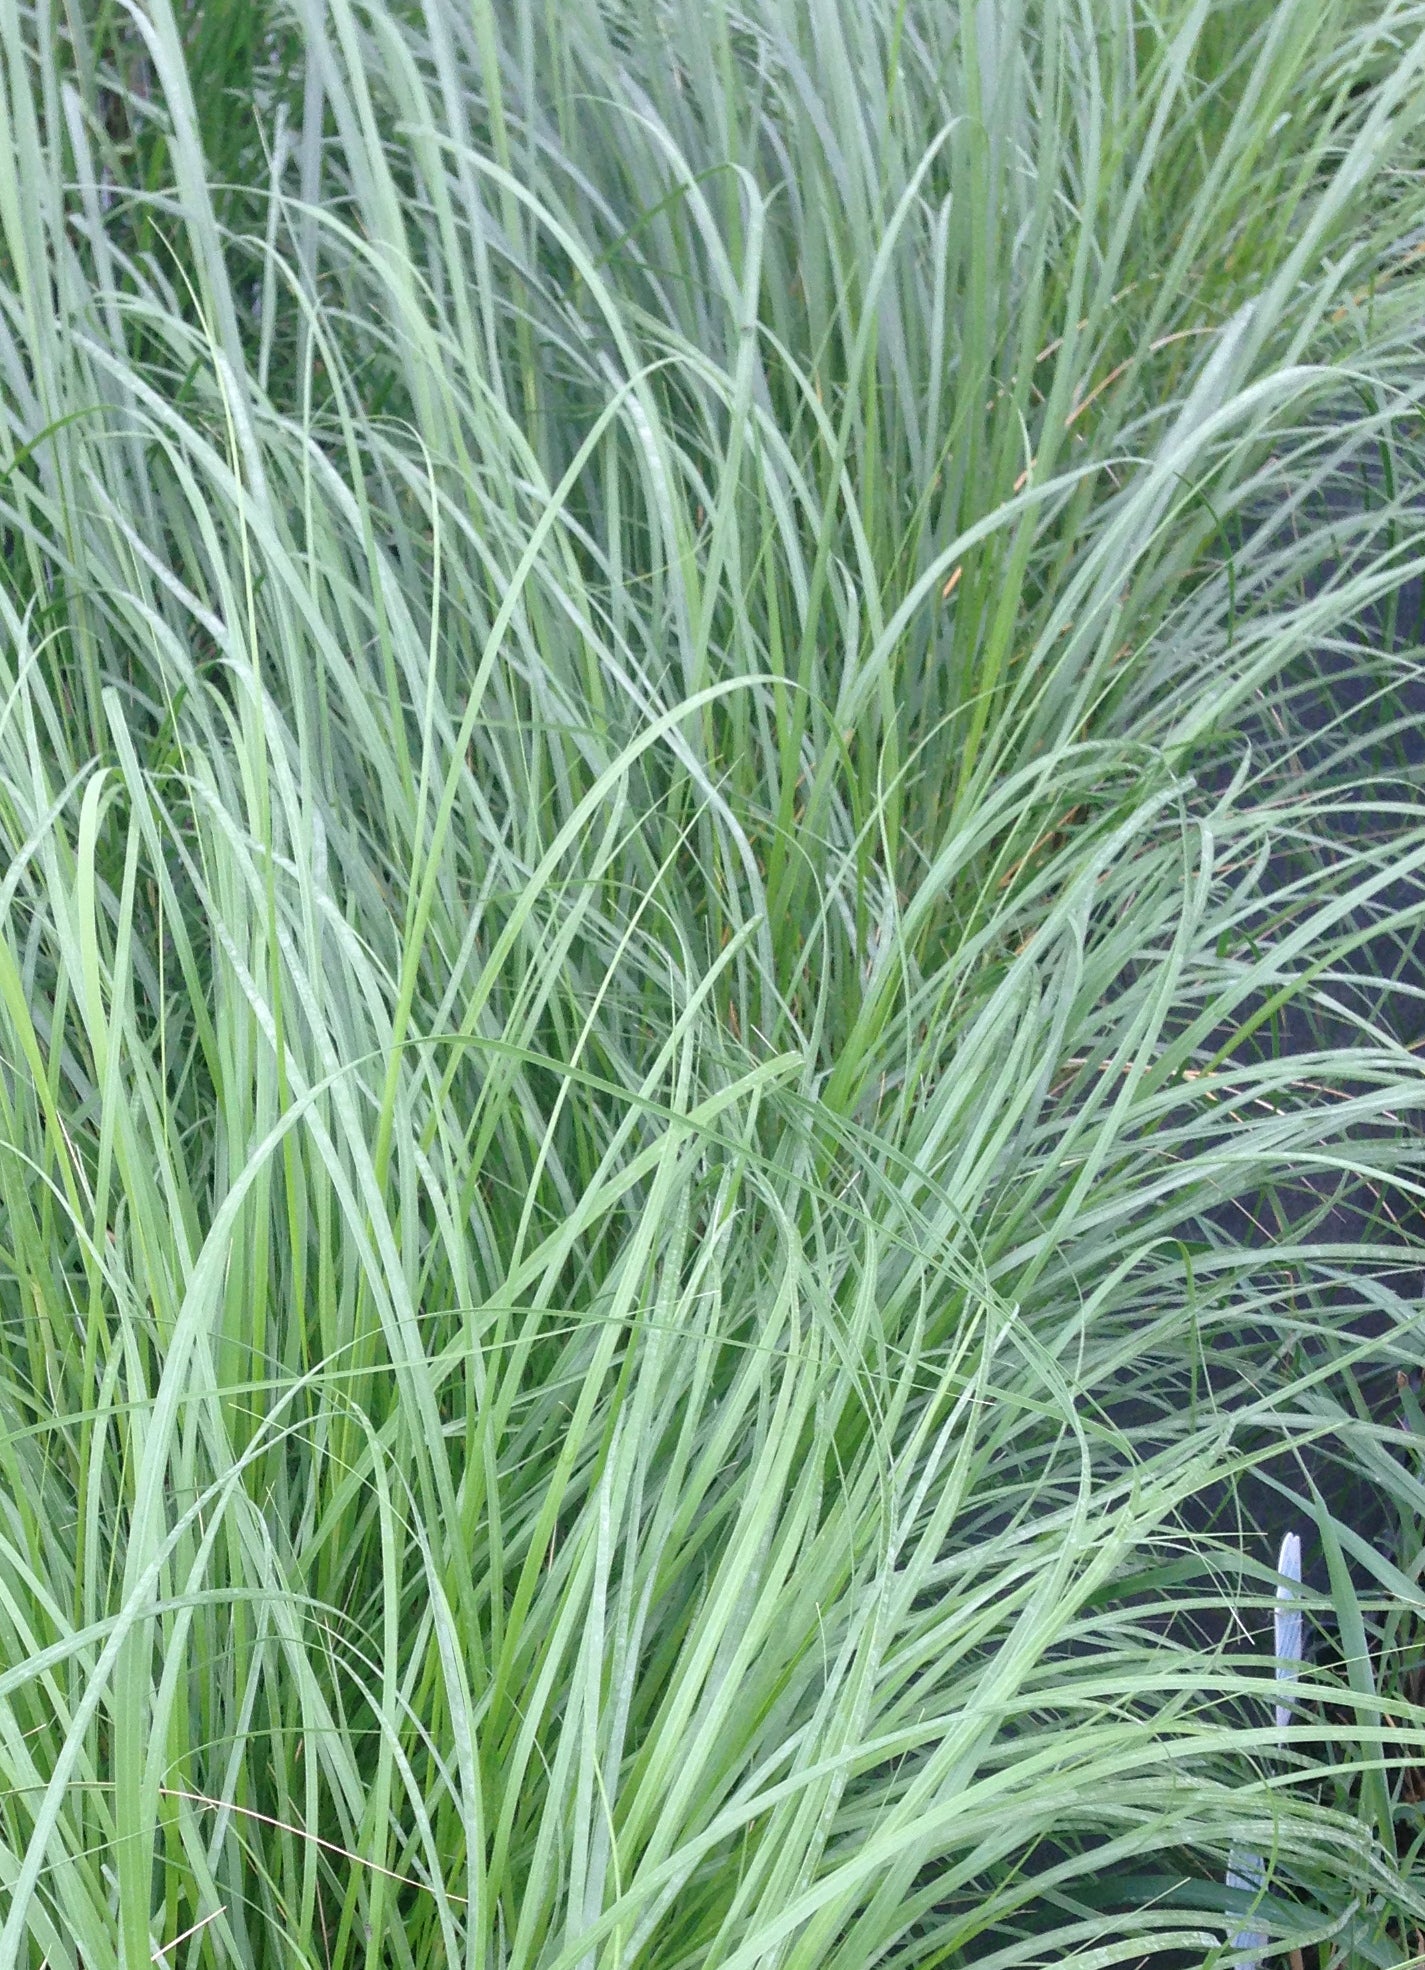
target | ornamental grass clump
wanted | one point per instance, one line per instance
(710, 769)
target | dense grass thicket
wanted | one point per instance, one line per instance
(707, 1110)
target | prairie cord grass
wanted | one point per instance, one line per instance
(711, 770)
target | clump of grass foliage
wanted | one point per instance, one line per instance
(690, 989)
